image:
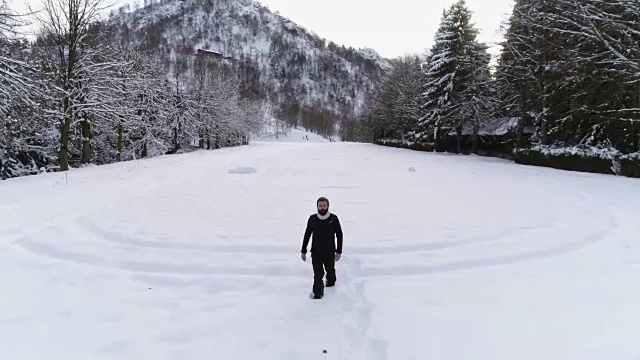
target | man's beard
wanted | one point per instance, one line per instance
(323, 212)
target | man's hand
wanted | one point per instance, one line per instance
(303, 256)
(338, 256)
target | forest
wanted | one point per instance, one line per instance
(75, 97)
(563, 92)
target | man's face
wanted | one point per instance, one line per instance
(323, 207)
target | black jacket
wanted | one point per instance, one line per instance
(324, 234)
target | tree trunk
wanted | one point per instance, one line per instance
(63, 158)
(459, 139)
(544, 138)
(216, 138)
(119, 143)
(175, 140)
(476, 138)
(520, 126)
(436, 138)
(86, 141)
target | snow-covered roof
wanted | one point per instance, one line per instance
(499, 126)
(216, 54)
(210, 52)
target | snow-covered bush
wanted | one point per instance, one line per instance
(630, 165)
(575, 158)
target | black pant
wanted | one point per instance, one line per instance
(322, 262)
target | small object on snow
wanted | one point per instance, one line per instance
(324, 351)
(242, 170)
(411, 169)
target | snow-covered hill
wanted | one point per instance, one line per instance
(304, 78)
(196, 256)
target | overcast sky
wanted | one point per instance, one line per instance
(391, 27)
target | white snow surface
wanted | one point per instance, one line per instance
(174, 258)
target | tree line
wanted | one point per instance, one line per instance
(568, 75)
(77, 96)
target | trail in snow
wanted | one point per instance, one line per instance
(179, 258)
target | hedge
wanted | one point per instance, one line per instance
(428, 147)
(490, 146)
(583, 159)
(573, 159)
(577, 158)
(630, 165)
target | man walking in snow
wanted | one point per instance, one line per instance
(325, 228)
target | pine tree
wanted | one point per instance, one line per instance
(478, 100)
(531, 66)
(450, 71)
(440, 75)
(601, 72)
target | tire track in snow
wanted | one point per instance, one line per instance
(407, 270)
(53, 250)
(87, 225)
(88, 230)
(84, 228)
(592, 237)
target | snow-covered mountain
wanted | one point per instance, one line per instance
(302, 77)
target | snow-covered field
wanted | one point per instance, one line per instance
(177, 258)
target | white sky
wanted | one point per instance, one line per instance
(391, 27)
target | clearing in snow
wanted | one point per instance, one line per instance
(176, 258)
(291, 135)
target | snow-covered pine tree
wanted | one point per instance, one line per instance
(516, 71)
(601, 72)
(478, 99)
(449, 73)
(529, 70)
(440, 73)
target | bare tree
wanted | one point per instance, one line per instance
(66, 27)
(10, 20)
(14, 82)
